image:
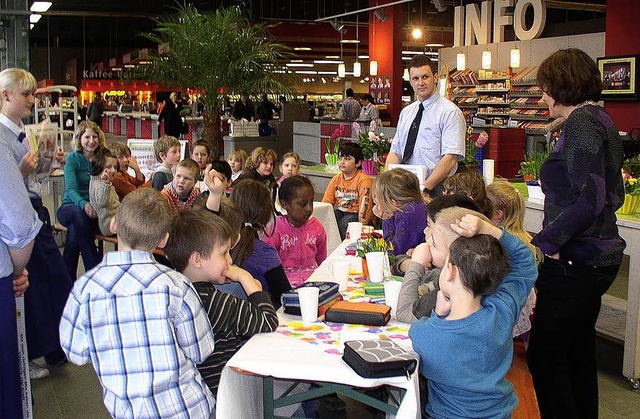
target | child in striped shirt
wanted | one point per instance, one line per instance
(204, 258)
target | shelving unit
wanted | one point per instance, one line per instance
(463, 94)
(58, 112)
(528, 111)
(492, 91)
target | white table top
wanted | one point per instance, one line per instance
(311, 353)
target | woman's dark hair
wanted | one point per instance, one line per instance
(570, 77)
(255, 203)
(290, 185)
(351, 149)
(100, 159)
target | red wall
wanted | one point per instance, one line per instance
(385, 46)
(622, 38)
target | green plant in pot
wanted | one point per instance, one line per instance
(531, 165)
(333, 147)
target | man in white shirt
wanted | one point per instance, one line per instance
(438, 132)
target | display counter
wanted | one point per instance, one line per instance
(145, 126)
(310, 138)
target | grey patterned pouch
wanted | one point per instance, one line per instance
(378, 358)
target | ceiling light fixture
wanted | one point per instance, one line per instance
(302, 49)
(34, 18)
(515, 58)
(357, 68)
(416, 33)
(40, 6)
(486, 60)
(461, 61)
(373, 64)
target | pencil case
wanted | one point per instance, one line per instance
(327, 296)
(358, 313)
(378, 358)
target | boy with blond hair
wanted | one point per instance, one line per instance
(140, 324)
(466, 346)
(123, 182)
(167, 152)
(181, 191)
(204, 258)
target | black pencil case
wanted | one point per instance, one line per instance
(378, 358)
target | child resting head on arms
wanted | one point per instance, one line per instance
(123, 181)
(398, 202)
(145, 305)
(198, 246)
(300, 239)
(102, 194)
(181, 191)
(466, 346)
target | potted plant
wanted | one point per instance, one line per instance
(530, 171)
(372, 250)
(472, 150)
(630, 173)
(375, 148)
(333, 147)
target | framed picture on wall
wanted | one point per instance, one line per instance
(620, 78)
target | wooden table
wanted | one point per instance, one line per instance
(629, 228)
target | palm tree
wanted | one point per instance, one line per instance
(216, 53)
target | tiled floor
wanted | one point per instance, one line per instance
(74, 391)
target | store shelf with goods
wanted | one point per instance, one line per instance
(463, 83)
(492, 91)
(528, 110)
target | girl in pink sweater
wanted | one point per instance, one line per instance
(299, 238)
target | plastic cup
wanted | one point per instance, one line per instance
(391, 294)
(309, 303)
(340, 272)
(375, 265)
(354, 231)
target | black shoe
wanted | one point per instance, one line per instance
(55, 358)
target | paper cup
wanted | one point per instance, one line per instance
(340, 272)
(354, 231)
(309, 303)
(488, 170)
(391, 294)
(375, 265)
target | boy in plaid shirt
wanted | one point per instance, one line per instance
(140, 323)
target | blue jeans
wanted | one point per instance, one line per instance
(80, 238)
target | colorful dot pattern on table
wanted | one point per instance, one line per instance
(320, 333)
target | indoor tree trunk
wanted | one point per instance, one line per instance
(212, 132)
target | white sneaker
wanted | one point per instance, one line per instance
(36, 372)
